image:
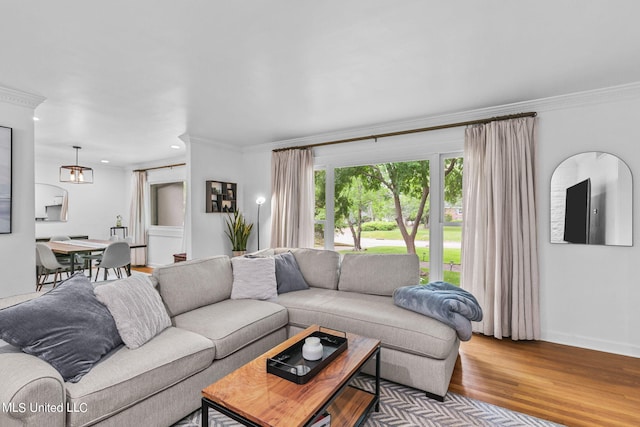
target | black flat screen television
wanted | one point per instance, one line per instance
(576, 215)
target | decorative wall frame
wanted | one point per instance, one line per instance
(6, 141)
(221, 196)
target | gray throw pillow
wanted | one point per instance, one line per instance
(288, 274)
(254, 278)
(67, 327)
(136, 308)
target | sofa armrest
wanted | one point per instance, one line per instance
(32, 392)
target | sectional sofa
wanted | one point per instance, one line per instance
(211, 334)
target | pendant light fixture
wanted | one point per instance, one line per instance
(76, 174)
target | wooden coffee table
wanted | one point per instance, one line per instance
(254, 397)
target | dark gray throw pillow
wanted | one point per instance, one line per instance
(66, 327)
(288, 274)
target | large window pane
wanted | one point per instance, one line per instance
(320, 215)
(452, 219)
(383, 208)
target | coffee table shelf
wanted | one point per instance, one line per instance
(254, 397)
(351, 407)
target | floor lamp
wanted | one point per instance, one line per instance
(259, 202)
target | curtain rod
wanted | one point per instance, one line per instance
(160, 167)
(405, 132)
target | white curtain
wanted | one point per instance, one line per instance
(64, 210)
(292, 198)
(500, 249)
(137, 217)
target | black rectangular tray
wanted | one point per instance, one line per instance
(290, 365)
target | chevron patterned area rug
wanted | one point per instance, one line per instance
(404, 406)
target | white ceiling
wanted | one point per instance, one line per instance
(125, 78)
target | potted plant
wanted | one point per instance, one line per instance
(238, 232)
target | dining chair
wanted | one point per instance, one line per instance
(40, 272)
(116, 256)
(87, 260)
(62, 258)
(47, 263)
(91, 258)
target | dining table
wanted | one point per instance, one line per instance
(83, 246)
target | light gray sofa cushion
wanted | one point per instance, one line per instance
(320, 268)
(378, 274)
(191, 284)
(372, 316)
(126, 377)
(136, 308)
(234, 324)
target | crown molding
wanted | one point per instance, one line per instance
(559, 102)
(188, 138)
(20, 98)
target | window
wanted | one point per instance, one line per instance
(167, 201)
(409, 206)
(452, 216)
(320, 215)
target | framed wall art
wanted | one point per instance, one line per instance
(221, 196)
(5, 179)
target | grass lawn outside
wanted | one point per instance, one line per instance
(449, 254)
(451, 234)
(452, 277)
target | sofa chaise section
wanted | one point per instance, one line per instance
(372, 316)
(417, 351)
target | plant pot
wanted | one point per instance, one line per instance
(239, 253)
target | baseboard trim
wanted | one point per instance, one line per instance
(590, 343)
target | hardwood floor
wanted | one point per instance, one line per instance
(143, 269)
(563, 384)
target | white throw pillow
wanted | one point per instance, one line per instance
(136, 307)
(254, 278)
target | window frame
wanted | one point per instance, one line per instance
(153, 202)
(408, 148)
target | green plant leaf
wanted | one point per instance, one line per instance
(238, 231)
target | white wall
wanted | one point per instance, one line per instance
(92, 207)
(589, 294)
(17, 250)
(208, 160)
(257, 183)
